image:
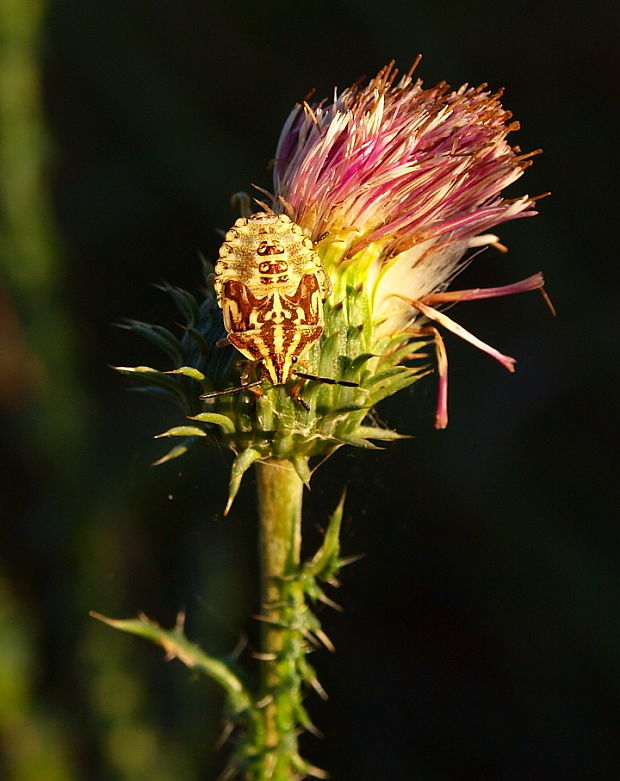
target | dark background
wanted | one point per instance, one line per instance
(481, 634)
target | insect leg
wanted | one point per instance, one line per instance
(294, 394)
(228, 391)
(247, 372)
(327, 380)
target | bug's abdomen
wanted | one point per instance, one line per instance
(270, 286)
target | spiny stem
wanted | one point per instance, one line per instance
(279, 502)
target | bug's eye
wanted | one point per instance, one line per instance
(294, 359)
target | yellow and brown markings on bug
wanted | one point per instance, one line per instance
(270, 286)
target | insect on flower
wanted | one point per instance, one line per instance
(270, 286)
(381, 196)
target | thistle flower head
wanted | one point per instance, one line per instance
(418, 173)
(388, 186)
(401, 163)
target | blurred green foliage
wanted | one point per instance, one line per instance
(481, 636)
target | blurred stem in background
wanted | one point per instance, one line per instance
(44, 373)
(37, 374)
(43, 398)
(41, 392)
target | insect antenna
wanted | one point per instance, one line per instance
(229, 391)
(327, 380)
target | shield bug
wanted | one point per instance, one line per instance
(270, 286)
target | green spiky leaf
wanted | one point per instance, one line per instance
(177, 646)
(408, 350)
(175, 452)
(342, 412)
(154, 380)
(226, 424)
(199, 341)
(182, 431)
(188, 371)
(185, 302)
(159, 336)
(300, 463)
(325, 562)
(358, 362)
(365, 444)
(397, 382)
(385, 376)
(373, 432)
(240, 466)
(136, 370)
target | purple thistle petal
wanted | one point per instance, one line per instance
(535, 282)
(440, 317)
(441, 413)
(392, 159)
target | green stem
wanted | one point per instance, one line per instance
(282, 601)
